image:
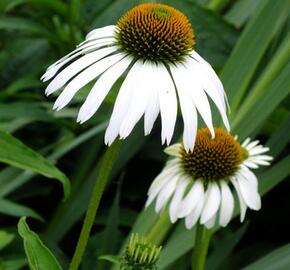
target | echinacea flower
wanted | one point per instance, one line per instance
(151, 47)
(199, 185)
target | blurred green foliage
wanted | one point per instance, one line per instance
(248, 43)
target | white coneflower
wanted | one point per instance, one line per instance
(199, 185)
(151, 46)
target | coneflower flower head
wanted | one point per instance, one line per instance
(198, 185)
(152, 49)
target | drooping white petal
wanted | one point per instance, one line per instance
(167, 103)
(227, 205)
(65, 75)
(212, 202)
(169, 170)
(54, 68)
(247, 174)
(211, 222)
(173, 150)
(152, 108)
(189, 82)
(188, 111)
(250, 194)
(212, 75)
(218, 97)
(166, 193)
(191, 200)
(121, 103)
(141, 94)
(243, 206)
(84, 78)
(106, 31)
(101, 89)
(193, 217)
(177, 198)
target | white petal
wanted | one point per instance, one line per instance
(102, 32)
(210, 224)
(65, 75)
(258, 150)
(167, 103)
(141, 94)
(167, 173)
(166, 193)
(54, 68)
(152, 109)
(121, 104)
(189, 82)
(243, 206)
(188, 110)
(227, 205)
(247, 174)
(191, 200)
(212, 202)
(246, 142)
(193, 217)
(84, 78)
(250, 194)
(177, 198)
(213, 76)
(250, 164)
(101, 89)
(218, 97)
(252, 145)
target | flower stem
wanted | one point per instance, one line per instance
(202, 239)
(159, 229)
(103, 175)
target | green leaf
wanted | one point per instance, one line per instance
(39, 256)
(242, 11)
(17, 210)
(240, 68)
(15, 153)
(5, 239)
(276, 260)
(272, 97)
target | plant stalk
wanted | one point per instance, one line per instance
(202, 239)
(160, 229)
(103, 176)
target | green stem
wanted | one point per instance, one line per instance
(159, 229)
(104, 173)
(202, 239)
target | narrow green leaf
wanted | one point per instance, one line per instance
(279, 259)
(241, 11)
(39, 256)
(250, 48)
(17, 210)
(272, 97)
(15, 153)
